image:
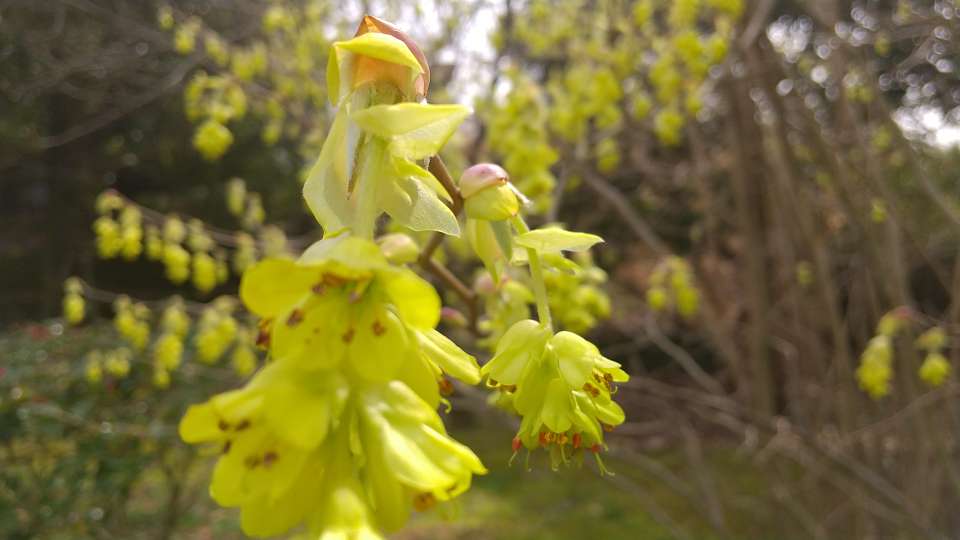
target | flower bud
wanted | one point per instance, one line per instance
(453, 317)
(399, 248)
(488, 194)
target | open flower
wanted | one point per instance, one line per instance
(561, 386)
(343, 305)
(268, 435)
(412, 462)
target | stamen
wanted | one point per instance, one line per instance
(319, 288)
(516, 444)
(244, 424)
(252, 462)
(226, 446)
(378, 328)
(269, 458)
(348, 336)
(424, 501)
(295, 318)
(446, 387)
(577, 440)
(263, 333)
(223, 425)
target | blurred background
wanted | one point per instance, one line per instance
(775, 180)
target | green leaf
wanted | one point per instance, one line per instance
(342, 195)
(482, 238)
(415, 130)
(410, 169)
(325, 190)
(414, 205)
(554, 239)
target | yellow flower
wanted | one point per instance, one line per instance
(935, 369)
(73, 308)
(267, 434)
(212, 139)
(343, 304)
(412, 460)
(875, 371)
(561, 386)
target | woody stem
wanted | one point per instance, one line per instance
(426, 261)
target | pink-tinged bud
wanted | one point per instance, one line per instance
(453, 317)
(481, 176)
(484, 284)
(488, 193)
(373, 24)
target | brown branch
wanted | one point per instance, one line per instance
(441, 272)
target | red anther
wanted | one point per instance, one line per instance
(577, 439)
(562, 439)
(446, 387)
(263, 333)
(607, 427)
(295, 318)
(542, 439)
(595, 448)
(516, 444)
(551, 437)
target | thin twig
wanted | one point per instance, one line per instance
(426, 260)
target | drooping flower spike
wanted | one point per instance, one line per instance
(561, 386)
(355, 377)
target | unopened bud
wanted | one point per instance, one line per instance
(399, 248)
(488, 194)
(453, 317)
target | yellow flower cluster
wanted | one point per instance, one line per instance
(875, 371)
(577, 299)
(672, 287)
(561, 386)
(132, 322)
(340, 430)
(118, 229)
(216, 331)
(74, 307)
(935, 368)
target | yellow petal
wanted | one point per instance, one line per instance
(274, 285)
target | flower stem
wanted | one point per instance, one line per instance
(536, 272)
